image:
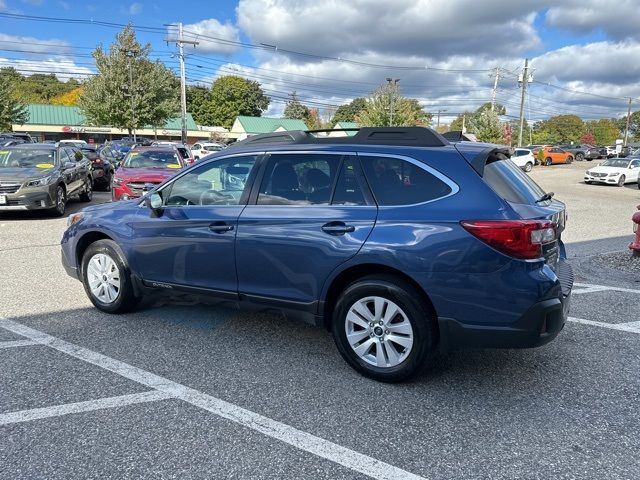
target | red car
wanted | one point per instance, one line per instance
(144, 166)
(635, 245)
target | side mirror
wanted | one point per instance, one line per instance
(154, 203)
(68, 165)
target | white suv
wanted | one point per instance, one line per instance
(524, 158)
(202, 149)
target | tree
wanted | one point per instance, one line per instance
(387, 107)
(295, 109)
(588, 138)
(199, 105)
(11, 110)
(559, 129)
(498, 108)
(634, 125)
(69, 99)
(463, 118)
(128, 79)
(348, 112)
(314, 122)
(486, 125)
(232, 96)
(605, 131)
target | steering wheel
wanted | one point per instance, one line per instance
(179, 201)
(214, 197)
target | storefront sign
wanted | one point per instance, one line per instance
(70, 129)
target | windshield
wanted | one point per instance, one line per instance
(152, 159)
(27, 157)
(615, 162)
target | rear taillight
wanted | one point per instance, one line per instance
(97, 161)
(517, 238)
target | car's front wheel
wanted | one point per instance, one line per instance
(579, 157)
(621, 180)
(87, 194)
(569, 160)
(106, 278)
(383, 329)
(60, 202)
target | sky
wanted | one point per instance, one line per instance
(583, 54)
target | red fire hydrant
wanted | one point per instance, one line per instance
(635, 245)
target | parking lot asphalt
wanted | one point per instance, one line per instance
(186, 390)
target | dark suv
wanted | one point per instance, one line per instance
(41, 176)
(396, 240)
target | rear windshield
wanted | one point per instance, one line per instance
(510, 182)
(152, 159)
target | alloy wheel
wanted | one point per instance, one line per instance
(103, 276)
(60, 200)
(379, 331)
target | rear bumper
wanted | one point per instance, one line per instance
(539, 325)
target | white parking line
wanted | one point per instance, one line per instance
(598, 288)
(632, 327)
(17, 343)
(88, 406)
(285, 433)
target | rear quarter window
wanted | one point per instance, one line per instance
(510, 182)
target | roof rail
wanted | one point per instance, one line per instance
(405, 136)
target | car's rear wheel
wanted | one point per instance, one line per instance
(528, 167)
(569, 160)
(383, 329)
(106, 278)
(548, 162)
(60, 202)
(579, 157)
(87, 194)
(621, 180)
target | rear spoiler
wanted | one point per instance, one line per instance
(486, 156)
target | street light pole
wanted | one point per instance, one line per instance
(439, 111)
(393, 83)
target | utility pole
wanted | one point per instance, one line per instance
(130, 54)
(495, 89)
(525, 81)
(393, 83)
(439, 111)
(626, 130)
(180, 41)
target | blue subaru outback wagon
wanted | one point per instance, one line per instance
(396, 240)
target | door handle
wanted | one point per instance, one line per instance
(220, 227)
(337, 228)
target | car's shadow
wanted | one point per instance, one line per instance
(73, 205)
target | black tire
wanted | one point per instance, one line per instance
(569, 160)
(61, 202)
(587, 182)
(621, 180)
(638, 183)
(528, 167)
(548, 162)
(579, 157)
(417, 311)
(126, 299)
(87, 193)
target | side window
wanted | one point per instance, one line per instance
(64, 156)
(635, 164)
(348, 189)
(196, 146)
(299, 179)
(399, 182)
(221, 182)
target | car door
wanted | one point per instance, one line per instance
(190, 241)
(634, 170)
(68, 169)
(195, 150)
(83, 167)
(309, 213)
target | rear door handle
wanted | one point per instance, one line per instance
(220, 227)
(337, 228)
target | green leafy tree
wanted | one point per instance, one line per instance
(37, 88)
(295, 109)
(348, 112)
(486, 125)
(463, 118)
(314, 122)
(559, 129)
(605, 131)
(387, 107)
(498, 108)
(232, 96)
(11, 110)
(126, 78)
(634, 125)
(199, 105)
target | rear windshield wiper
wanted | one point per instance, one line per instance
(545, 197)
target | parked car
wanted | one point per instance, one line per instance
(9, 140)
(535, 149)
(553, 156)
(614, 171)
(144, 168)
(182, 149)
(634, 246)
(524, 159)
(610, 151)
(73, 141)
(397, 241)
(102, 168)
(42, 176)
(582, 151)
(202, 149)
(25, 137)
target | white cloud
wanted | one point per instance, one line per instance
(52, 46)
(63, 68)
(223, 33)
(619, 20)
(135, 8)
